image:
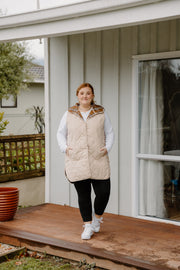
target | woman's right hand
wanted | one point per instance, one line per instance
(67, 150)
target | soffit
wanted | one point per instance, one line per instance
(86, 16)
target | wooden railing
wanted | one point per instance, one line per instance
(22, 156)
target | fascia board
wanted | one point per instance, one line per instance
(70, 11)
(153, 11)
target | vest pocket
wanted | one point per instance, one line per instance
(74, 154)
(97, 154)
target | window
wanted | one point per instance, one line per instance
(11, 102)
(159, 138)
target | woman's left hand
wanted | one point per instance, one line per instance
(104, 149)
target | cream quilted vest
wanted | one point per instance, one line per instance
(86, 138)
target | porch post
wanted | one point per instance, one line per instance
(47, 135)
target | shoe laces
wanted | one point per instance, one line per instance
(87, 227)
(98, 220)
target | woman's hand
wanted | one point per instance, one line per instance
(104, 149)
(67, 150)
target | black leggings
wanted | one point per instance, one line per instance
(102, 192)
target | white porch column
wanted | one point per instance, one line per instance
(58, 102)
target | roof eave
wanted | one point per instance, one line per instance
(69, 11)
(86, 16)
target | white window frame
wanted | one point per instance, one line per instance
(135, 140)
(11, 102)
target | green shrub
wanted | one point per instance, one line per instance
(3, 124)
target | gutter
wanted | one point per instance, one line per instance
(75, 10)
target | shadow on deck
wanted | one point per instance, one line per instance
(126, 241)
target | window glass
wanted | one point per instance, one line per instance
(159, 189)
(11, 102)
(159, 107)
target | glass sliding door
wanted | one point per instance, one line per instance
(159, 138)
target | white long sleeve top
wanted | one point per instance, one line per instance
(62, 131)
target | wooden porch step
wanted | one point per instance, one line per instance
(122, 242)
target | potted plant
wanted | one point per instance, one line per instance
(9, 197)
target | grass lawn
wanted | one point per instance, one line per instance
(30, 260)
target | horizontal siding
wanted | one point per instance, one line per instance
(104, 58)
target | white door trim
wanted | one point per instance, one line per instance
(135, 155)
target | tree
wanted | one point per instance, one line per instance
(3, 123)
(15, 63)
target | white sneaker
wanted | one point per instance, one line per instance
(87, 233)
(96, 223)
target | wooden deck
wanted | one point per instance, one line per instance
(123, 243)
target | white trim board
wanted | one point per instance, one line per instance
(47, 121)
(156, 56)
(85, 17)
(161, 220)
(159, 157)
(134, 180)
(69, 11)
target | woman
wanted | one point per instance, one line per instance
(86, 136)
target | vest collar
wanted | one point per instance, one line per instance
(96, 109)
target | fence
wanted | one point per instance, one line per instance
(22, 156)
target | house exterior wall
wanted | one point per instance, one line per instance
(103, 58)
(31, 191)
(20, 123)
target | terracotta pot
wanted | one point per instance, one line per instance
(9, 197)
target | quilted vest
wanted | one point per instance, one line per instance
(86, 138)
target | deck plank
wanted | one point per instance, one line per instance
(124, 240)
